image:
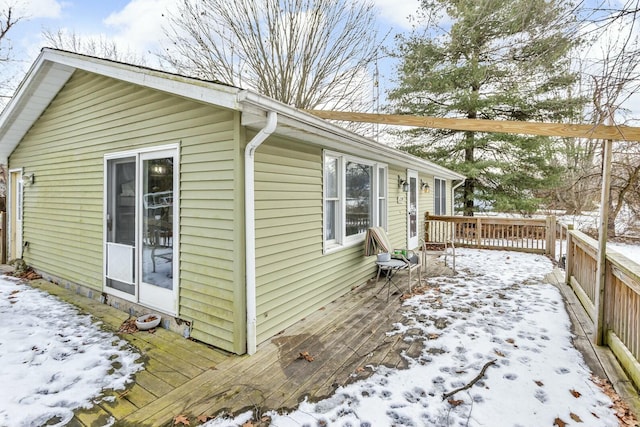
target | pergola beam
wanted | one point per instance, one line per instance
(619, 133)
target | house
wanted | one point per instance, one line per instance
(229, 213)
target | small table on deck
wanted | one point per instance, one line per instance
(391, 267)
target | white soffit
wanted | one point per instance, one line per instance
(32, 97)
(52, 70)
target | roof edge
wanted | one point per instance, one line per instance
(315, 124)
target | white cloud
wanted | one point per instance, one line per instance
(396, 12)
(139, 24)
(37, 8)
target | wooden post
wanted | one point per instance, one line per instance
(551, 237)
(599, 327)
(426, 226)
(569, 262)
(478, 232)
(561, 240)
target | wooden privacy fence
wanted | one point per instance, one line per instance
(524, 235)
(621, 297)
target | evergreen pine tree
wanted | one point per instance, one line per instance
(489, 59)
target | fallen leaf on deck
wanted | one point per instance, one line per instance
(558, 422)
(204, 418)
(575, 393)
(433, 336)
(499, 353)
(359, 369)
(181, 419)
(624, 414)
(539, 383)
(32, 275)
(128, 326)
(575, 418)
(306, 356)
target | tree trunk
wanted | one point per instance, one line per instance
(469, 187)
(611, 219)
(470, 183)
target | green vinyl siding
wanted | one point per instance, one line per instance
(293, 276)
(397, 225)
(95, 115)
(397, 220)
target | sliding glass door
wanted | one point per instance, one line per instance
(141, 227)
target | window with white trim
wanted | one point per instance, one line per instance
(355, 198)
(440, 197)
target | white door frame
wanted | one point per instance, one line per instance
(108, 199)
(157, 301)
(152, 295)
(15, 204)
(413, 235)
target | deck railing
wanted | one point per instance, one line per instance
(524, 235)
(578, 253)
(620, 308)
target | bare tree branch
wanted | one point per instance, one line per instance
(306, 53)
(100, 47)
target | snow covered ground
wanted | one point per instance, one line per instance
(496, 309)
(496, 314)
(53, 359)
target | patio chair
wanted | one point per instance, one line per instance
(377, 241)
(439, 239)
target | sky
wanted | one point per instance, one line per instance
(496, 314)
(136, 26)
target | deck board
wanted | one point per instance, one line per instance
(183, 377)
(153, 384)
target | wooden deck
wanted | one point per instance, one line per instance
(182, 377)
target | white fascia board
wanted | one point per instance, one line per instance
(52, 69)
(295, 123)
(198, 90)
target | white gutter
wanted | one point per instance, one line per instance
(250, 226)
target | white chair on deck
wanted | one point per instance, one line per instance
(439, 240)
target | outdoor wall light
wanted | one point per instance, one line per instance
(402, 183)
(28, 178)
(425, 186)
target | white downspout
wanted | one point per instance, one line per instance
(453, 194)
(250, 226)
